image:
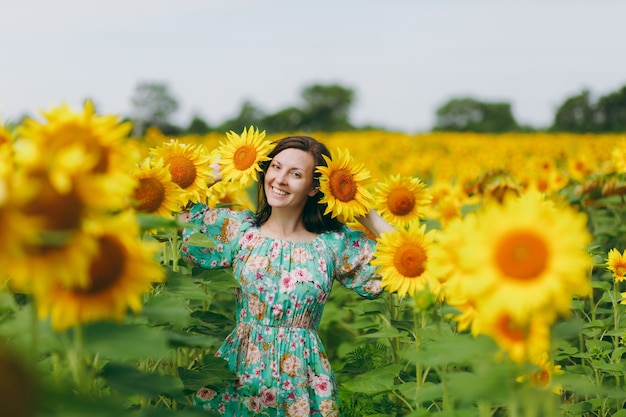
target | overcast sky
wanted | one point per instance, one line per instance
(402, 58)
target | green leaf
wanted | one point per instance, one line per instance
(212, 318)
(187, 339)
(219, 279)
(126, 341)
(490, 384)
(426, 393)
(153, 221)
(616, 355)
(213, 373)
(389, 333)
(200, 239)
(185, 287)
(130, 381)
(452, 349)
(375, 381)
(601, 285)
(163, 309)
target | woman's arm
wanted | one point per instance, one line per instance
(373, 222)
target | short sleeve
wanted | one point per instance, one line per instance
(354, 252)
(223, 226)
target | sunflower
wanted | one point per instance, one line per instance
(403, 258)
(616, 263)
(155, 192)
(342, 183)
(542, 376)
(189, 166)
(526, 256)
(227, 193)
(400, 200)
(618, 156)
(521, 340)
(122, 268)
(241, 155)
(81, 152)
(41, 264)
(5, 136)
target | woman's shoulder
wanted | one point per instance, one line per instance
(207, 215)
(342, 235)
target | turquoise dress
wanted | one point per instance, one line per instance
(274, 349)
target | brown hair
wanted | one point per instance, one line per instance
(312, 215)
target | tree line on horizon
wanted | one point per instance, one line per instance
(326, 108)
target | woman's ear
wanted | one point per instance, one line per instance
(314, 191)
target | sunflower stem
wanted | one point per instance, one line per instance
(34, 332)
(75, 358)
(175, 252)
(418, 346)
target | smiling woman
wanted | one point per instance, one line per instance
(285, 258)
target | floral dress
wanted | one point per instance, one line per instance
(281, 364)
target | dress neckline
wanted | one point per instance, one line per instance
(276, 239)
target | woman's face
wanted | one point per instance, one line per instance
(289, 179)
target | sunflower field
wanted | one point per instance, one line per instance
(504, 276)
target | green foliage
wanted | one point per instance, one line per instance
(576, 114)
(580, 114)
(471, 115)
(390, 357)
(153, 105)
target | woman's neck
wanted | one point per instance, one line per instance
(283, 227)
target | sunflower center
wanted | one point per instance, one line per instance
(522, 255)
(540, 378)
(107, 266)
(103, 162)
(401, 201)
(244, 157)
(183, 171)
(342, 185)
(58, 212)
(149, 194)
(409, 260)
(511, 330)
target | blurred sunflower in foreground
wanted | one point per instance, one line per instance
(122, 269)
(518, 265)
(82, 154)
(542, 374)
(73, 245)
(240, 155)
(343, 184)
(156, 193)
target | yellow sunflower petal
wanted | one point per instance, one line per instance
(616, 263)
(342, 183)
(189, 166)
(156, 193)
(241, 155)
(401, 200)
(122, 269)
(526, 256)
(403, 260)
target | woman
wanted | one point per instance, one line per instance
(285, 258)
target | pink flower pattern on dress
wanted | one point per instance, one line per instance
(274, 349)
